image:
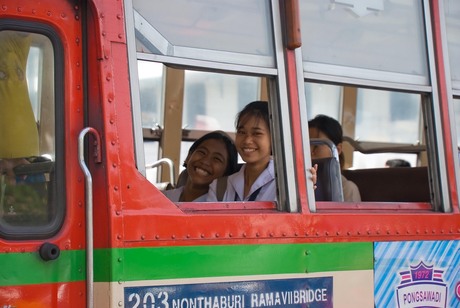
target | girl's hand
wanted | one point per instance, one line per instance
(314, 175)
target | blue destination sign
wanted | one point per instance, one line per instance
(299, 292)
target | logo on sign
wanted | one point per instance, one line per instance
(422, 286)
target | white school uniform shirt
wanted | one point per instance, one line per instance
(235, 184)
(174, 195)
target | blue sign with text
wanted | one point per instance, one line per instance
(298, 292)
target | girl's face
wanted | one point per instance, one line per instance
(208, 162)
(253, 140)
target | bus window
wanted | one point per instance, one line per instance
(28, 202)
(452, 15)
(210, 101)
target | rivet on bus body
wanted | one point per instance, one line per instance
(77, 17)
(34, 11)
(128, 186)
(110, 99)
(120, 259)
(79, 270)
(257, 234)
(106, 56)
(63, 15)
(271, 234)
(120, 304)
(108, 78)
(244, 234)
(111, 121)
(118, 237)
(19, 9)
(284, 234)
(118, 213)
(426, 231)
(114, 165)
(79, 203)
(217, 235)
(368, 232)
(296, 234)
(388, 232)
(317, 233)
(187, 236)
(327, 233)
(113, 142)
(102, 15)
(230, 235)
(348, 233)
(173, 237)
(76, 8)
(118, 16)
(307, 252)
(78, 87)
(202, 235)
(115, 188)
(48, 13)
(157, 236)
(142, 237)
(337, 233)
(397, 231)
(77, 64)
(433, 231)
(417, 231)
(80, 293)
(103, 33)
(120, 36)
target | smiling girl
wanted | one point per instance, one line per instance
(256, 179)
(211, 156)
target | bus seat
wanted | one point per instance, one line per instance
(329, 180)
(391, 184)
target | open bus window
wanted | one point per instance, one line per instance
(209, 101)
(27, 133)
(378, 126)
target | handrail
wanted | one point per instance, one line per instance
(165, 161)
(89, 209)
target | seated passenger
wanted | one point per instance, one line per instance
(324, 127)
(255, 181)
(211, 156)
(393, 163)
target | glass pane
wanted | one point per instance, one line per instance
(209, 99)
(323, 99)
(379, 35)
(185, 27)
(457, 119)
(452, 10)
(27, 134)
(384, 116)
(151, 91)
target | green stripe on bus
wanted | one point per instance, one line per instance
(29, 268)
(131, 264)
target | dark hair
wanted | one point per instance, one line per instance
(232, 162)
(393, 163)
(258, 109)
(329, 126)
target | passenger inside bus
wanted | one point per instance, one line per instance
(211, 156)
(325, 127)
(255, 181)
(397, 162)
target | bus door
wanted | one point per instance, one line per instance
(42, 238)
